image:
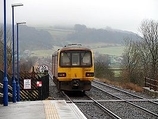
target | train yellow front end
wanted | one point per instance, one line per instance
(73, 68)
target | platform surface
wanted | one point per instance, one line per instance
(47, 109)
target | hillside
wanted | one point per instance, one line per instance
(33, 39)
(108, 36)
(82, 34)
(45, 38)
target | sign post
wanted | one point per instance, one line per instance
(27, 83)
(43, 68)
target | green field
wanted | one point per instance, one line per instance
(117, 51)
(42, 53)
(60, 35)
(113, 50)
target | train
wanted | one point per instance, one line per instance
(73, 68)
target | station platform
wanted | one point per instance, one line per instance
(46, 109)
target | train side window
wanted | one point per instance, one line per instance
(86, 58)
(65, 59)
(75, 59)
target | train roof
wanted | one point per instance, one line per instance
(72, 47)
(75, 47)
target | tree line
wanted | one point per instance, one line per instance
(9, 51)
(25, 64)
(140, 58)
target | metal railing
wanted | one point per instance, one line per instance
(9, 93)
(151, 83)
(1, 88)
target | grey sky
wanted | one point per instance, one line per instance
(118, 14)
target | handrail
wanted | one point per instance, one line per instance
(9, 93)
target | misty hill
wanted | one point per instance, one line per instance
(32, 38)
(83, 34)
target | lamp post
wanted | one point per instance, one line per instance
(13, 68)
(17, 83)
(5, 79)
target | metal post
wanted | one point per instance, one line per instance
(17, 83)
(13, 68)
(5, 80)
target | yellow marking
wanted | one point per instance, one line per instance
(50, 110)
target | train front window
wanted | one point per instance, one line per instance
(86, 59)
(65, 59)
(75, 59)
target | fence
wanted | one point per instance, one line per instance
(151, 83)
(34, 86)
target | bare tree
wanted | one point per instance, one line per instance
(145, 58)
(27, 63)
(149, 30)
(1, 48)
(131, 60)
(141, 58)
(102, 69)
(1, 54)
(9, 51)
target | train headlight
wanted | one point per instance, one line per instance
(89, 74)
(61, 74)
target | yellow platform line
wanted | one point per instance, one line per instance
(50, 110)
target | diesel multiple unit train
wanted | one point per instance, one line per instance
(73, 68)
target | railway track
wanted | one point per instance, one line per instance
(102, 100)
(122, 92)
(146, 105)
(109, 114)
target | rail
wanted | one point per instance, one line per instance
(9, 87)
(113, 115)
(151, 83)
(110, 113)
(127, 101)
(9, 93)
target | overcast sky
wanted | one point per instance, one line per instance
(117, 14)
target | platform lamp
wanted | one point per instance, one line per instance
(5, 79)
(13, 68)
(17, 83)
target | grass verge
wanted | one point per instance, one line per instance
(129, 86)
